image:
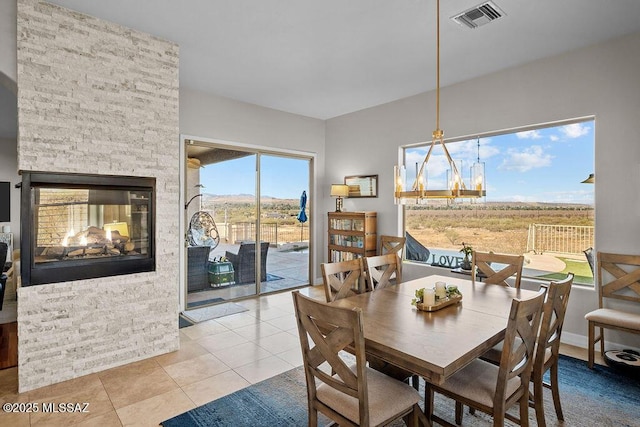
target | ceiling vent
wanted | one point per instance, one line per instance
(479, 15)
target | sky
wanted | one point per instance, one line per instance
(283, 178)
(543, 165)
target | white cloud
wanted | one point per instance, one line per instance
(529, 134)
(463, 153)
(554, 138)
(533, 157)
(468, 150)
(574, 130)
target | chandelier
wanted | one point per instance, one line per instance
(455, 186)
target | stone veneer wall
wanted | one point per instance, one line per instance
(95, 97)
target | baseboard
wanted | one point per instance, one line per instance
(582, 341)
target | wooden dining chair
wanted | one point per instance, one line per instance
(494, 389)
(354, 395)
(342, 279)
(382, 271)
(618, 279)
(393, 245)
(548, 347)
(483, 266)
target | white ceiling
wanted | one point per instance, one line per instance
(325, 58)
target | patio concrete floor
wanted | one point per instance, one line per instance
(286, 269)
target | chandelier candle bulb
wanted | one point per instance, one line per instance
(441, 290)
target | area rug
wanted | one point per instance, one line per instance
(602, 397)
(213, 312)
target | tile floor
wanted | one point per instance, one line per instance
(216, 358)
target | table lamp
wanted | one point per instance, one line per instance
(339, 191)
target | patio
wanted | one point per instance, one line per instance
(287, 268)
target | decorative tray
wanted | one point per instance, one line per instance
(445, 302)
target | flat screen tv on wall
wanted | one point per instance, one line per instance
(5, 202)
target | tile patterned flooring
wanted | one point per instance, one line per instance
(216, 358)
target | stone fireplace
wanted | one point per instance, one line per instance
(104, 103)
(86, 226)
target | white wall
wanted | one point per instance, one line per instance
(9, 172)
(8, 67)
(600, 80)
(218, 118)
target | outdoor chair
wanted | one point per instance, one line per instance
(494, 389)
(352, 394)
(618, 278)
(244, 262)
(483, 266)
(197, 274)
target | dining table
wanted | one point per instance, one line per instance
(434, 344)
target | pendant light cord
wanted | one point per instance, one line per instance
(437, 65)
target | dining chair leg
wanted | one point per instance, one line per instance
(416, 381)
(498, 419)
(428, 400)
(459, 409)
(313, 417)
(592, 344)
(555, 391)
(538, 398)
(524, 411)
(602, 342)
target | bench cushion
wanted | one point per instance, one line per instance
(619, 318)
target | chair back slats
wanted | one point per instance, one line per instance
(342, 279)
(553, 313)
(517, 355)
(380, 271)
(618, 277)
(393, 245)
(483, 267)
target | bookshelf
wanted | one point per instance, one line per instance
(351, 235)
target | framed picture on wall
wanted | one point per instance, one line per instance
(362, 185)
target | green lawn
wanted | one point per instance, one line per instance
(579, 268)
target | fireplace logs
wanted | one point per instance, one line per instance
(92, 242)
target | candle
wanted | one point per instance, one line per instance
(429, 297)
(441, 291)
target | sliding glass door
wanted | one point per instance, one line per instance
(247, 223)
(284, 220)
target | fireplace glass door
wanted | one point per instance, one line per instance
(93, 229)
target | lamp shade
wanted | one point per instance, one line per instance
(339, 190)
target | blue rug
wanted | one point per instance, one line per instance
(599, 397)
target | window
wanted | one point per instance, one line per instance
(536, 203)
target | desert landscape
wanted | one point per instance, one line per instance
(498, 227)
